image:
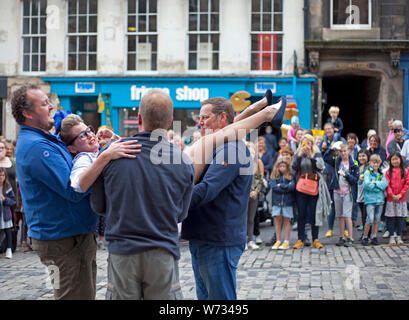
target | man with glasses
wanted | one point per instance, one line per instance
(60, 220)
(398, 142)
(217, 219)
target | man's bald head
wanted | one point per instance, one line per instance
(156, 110)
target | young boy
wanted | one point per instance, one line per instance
(336, 121)
(374, 185)
(295, 125)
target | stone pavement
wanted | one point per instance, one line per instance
(335, 273)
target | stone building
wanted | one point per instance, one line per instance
(359, 51)
(80, 50)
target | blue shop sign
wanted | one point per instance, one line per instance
(85, 87)
(262, 87)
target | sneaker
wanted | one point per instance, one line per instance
(361, 227)
(365, 241)
(386, 234)
(284, 246)
(329, 234)
(346, 233)
(381, 227)
(349, 243)
(252, 245)
(9, 254)
(298, 245)
(246, 248)
(307, 242)
(341, 242)
(317, 244)
(399, 241)
(295, 226)
(276, 246)
(374, 241)
(258, 240)
(392, 241)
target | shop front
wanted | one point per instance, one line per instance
(114, 102)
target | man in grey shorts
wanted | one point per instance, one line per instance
(144, 200)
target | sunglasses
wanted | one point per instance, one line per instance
(83, 135)
(397, 130)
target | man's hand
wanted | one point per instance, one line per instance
(106, 135)
(253, 195)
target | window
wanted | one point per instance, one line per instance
(266, 35)
(351, 14)
(142, 35)
(82, 35)
(204, 34)
(34, 35)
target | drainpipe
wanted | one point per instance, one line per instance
(306, 34)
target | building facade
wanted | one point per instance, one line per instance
(359, 51)
(84, 52)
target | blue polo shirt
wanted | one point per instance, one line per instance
(218, 209)
(52, 208)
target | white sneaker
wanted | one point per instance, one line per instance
(258, 240)
(9, 254)
(399, 241)
(386, 234)
(392, 241)
(295, 226)
(252, 245)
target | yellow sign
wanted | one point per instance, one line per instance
(239, 102)
(101, 104)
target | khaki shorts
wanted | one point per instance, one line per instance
(71, 263)
(150, 275)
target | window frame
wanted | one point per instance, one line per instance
(282, 33)
(80, 34)
(137, 34)
(31, 36)
(198, 33)
(351, 26)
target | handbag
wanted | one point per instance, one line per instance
(307, 186)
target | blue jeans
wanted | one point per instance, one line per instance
(373, 213)
(214, 268)
(306, 209)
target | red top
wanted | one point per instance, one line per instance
(397, 185)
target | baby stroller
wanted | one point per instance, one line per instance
(263, 207)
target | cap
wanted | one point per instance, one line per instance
(294, 119)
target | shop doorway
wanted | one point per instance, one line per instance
(357, 99)
(87, 109)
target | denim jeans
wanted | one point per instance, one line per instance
(214, 268)
(331, 216)
(306, 208)
(373, 213)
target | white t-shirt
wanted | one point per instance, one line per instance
(405, 150)
(80, 163)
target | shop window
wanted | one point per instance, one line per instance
(351, 14)
(142, 35)
(82, 35)
(128, 122)
(266, 35)
(204, 34)
(34, 35)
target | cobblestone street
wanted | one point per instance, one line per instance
(336, 273)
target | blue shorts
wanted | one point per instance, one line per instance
(283, 211)
(373, 213)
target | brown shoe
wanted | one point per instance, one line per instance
(317, 244)
(298, 245)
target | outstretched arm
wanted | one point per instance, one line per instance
(201, 151)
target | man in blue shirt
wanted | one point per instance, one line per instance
(60, 221)
(216, 225)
